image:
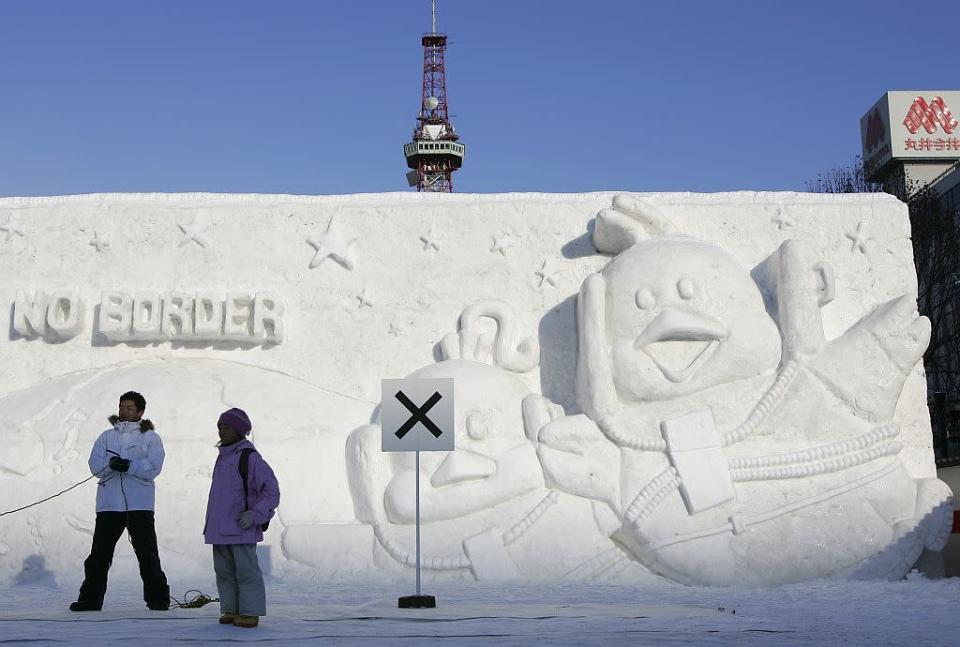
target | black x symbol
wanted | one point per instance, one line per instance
(419, 414)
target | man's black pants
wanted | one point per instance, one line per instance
(143, 534)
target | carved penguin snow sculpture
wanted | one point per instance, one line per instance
(735, 447)
(485, 509)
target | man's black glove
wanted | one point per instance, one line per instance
(118, 464)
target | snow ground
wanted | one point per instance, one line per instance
(916, 612)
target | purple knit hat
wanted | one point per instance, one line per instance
(236, 419)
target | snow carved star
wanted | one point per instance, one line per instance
(782, 220)
(364, 300)
(859, 239)
(547, 274)
(100, 242)
(501, 243)
(334, 243)
(11, 228)
(194, 233)
(431, 240)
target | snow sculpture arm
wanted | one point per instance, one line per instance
(537, 411)
(804, 285)
(149, 467)
(576, 456)
(594, 380)
(579, 459)
(868, 365)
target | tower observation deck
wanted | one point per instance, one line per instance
(436, 151)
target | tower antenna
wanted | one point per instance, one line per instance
(435, 152)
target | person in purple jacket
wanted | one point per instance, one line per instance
(236, 520)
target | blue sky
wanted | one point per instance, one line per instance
(318, 97)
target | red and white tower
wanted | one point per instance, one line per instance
(435, 152)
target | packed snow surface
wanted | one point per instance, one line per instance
(916, 612)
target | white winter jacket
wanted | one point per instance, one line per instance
(133, 489)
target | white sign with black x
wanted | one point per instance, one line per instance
(417, 415)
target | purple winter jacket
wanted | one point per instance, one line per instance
(225, 503)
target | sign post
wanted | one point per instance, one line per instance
(417, 415)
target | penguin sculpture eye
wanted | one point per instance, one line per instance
(686, 288)
(645, 299)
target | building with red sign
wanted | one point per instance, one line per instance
(911, 146)
(911, 142)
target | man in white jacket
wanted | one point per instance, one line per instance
(127, 458)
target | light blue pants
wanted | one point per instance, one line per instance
(239, 580)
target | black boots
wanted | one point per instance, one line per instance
(159, 605)
(86, 605)
(158, 599)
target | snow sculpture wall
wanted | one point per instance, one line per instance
(717, 389)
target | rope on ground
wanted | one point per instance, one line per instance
(195, 602)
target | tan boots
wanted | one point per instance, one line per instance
(246, 621)
(239, 621)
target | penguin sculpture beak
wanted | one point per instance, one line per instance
(462, 465)
(680, 343)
